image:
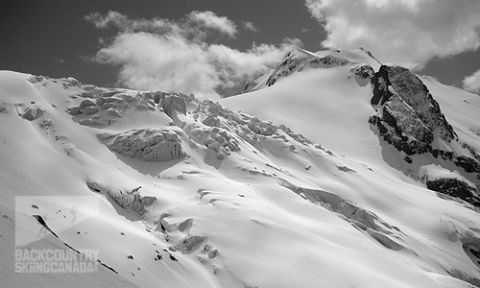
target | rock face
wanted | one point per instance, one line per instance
(146, 144)
(410, 118)
(363, 74)
(455, 188)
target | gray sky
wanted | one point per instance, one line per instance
(211, 45)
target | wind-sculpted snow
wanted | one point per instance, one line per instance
(180, 192)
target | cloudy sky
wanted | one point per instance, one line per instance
(210, 46)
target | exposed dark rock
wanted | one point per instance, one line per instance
(363, 74)
(380, 83)
(410, 116)
(455, 188)
(33, 113)
(469, 164)
(42, 222)
(409, 119)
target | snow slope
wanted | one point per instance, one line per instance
(177, 192)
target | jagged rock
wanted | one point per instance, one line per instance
(455, 188)
(469, 164)
(409, 106)
(363, 74)
(31, 114)
(411, 120)
(146, 144)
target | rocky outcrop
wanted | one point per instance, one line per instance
(455, 188)
(28, 112)
(145, 144)
(363, 74)
(409, 118)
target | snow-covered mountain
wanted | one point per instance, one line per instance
(332, 170)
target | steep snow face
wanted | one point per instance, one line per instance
(291, 191)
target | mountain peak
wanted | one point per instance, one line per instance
(297, 60)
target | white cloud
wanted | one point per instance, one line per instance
(172, 56)
(249, 26)
(113, 19)
(213, 21)
(151, 62)
(472, 83)
(406, 32)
